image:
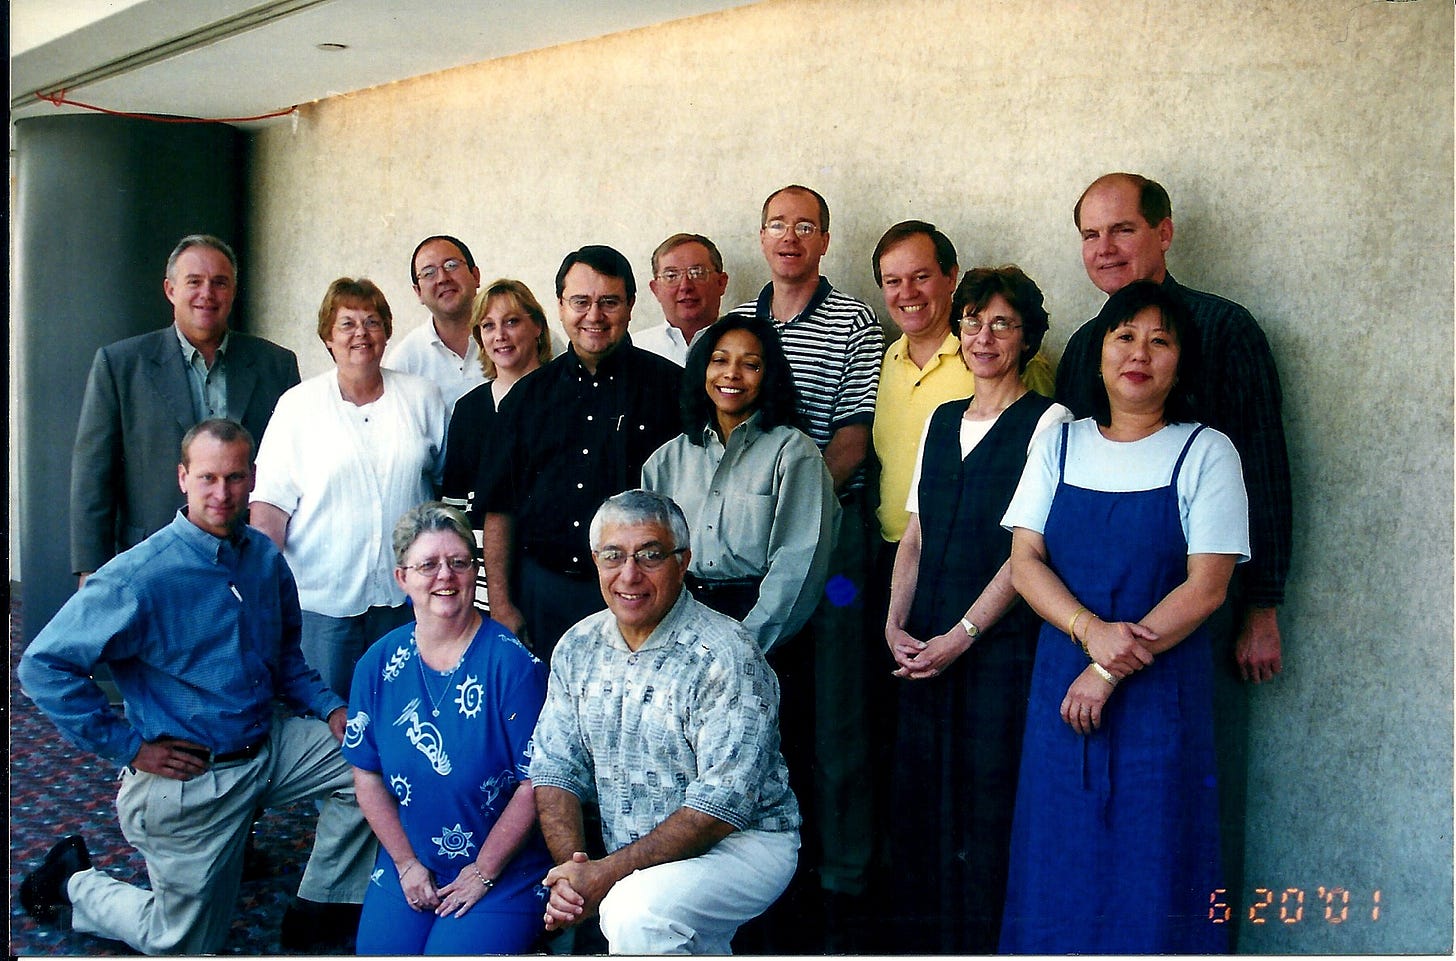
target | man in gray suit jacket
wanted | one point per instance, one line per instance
(145, 392)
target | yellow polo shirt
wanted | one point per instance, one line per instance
(908, 395)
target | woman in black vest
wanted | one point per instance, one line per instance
(963, 644)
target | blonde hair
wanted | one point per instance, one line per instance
(523, 300)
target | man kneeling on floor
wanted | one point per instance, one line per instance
(666, 714)
(199, 624)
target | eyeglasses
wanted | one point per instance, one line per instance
(971, 326)
(431, 567)
(673, 276)
(581, 303)
(778, 228)
(649, 558)
(349, 326)
(449, 267)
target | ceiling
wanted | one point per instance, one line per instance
(223, 59)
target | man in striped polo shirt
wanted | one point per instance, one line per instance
(834, 345)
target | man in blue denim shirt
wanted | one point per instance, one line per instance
(199, 624)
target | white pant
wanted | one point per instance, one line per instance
(695, 906)
(192, 834)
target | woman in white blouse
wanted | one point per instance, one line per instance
(345, 454)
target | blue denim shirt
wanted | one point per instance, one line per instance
(200, 633)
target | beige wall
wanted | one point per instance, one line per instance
(1308, 150)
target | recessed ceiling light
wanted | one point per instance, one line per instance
(332, 47)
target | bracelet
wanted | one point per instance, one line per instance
(1104, 673)
(1072, 624)
(971, 629)
(483, 880)
(414, 863)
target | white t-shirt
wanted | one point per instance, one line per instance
(667, 341)
(1212, 505)
(972, 433)
(345, 473)
(421, 352)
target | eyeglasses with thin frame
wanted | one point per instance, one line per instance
(648, 558)
(351, 325)
(971, 326)
(581, 303)
(449, 267)
(431, 566)
(778, 228)
(673, 276)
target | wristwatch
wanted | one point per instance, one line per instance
(971, 629)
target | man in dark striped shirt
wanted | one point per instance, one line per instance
(834, 345)
(1126, 224)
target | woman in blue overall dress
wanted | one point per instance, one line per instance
(439, 732)
(1126, 529)
(963, 643)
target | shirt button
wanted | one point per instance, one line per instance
(576, 523)
(710, 527)
(579, 486)
(576, 560)
(589, 417)
(585, 451)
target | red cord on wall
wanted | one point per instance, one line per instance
(59, 99)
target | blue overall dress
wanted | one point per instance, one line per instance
(1114, 844)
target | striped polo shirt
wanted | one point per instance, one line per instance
(834, 347)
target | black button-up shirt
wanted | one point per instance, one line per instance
(568, 439)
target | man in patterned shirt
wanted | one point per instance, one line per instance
(665, 714)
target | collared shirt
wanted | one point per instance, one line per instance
(344, 473)
(1242, 399)
(208, 385)
(689, 719)
(573, 438)
(834, 346)
(762, 507)
(421, 352)
(200, 633)
(665, 340)
(907, 396)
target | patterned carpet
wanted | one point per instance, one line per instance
(57, 789)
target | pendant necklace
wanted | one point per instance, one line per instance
(425, 680)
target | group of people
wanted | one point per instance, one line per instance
(645, 585)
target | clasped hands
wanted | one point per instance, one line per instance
(576, 891)
(455, 898)
(1120, 647)
(917, 659)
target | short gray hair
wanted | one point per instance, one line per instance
(640, 507)
(201, 240)
(426, 518)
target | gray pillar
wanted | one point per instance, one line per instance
(100, 202)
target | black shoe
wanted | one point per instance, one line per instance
(43, 892)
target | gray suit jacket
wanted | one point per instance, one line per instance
(136, 408)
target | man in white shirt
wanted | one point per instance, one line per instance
(445, 279)
(688, 281)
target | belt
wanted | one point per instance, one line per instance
(716, 584)
(241, 754)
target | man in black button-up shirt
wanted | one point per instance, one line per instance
(568, 436)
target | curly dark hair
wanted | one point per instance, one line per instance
(1182, 404)
(778, 399)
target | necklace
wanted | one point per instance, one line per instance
(449, 676)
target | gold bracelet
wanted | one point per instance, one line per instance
(1072, 623)
(1104, 673)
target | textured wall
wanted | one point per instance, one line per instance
(1308, 150)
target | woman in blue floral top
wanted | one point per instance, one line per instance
(439, 733)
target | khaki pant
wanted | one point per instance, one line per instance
(192, 834)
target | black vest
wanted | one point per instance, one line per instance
(962, 543)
